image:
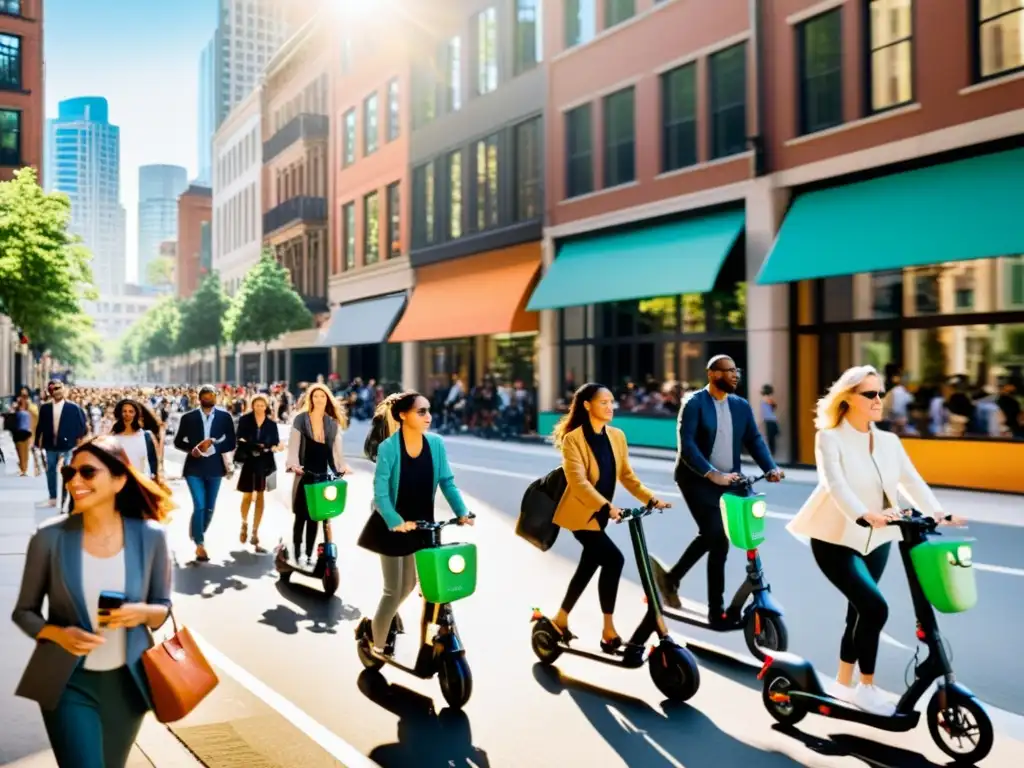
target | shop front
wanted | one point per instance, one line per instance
(470, 319)
(920, 275)
(361, 329)
(641, 310)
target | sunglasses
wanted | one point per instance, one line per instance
(871, 394)
(88, 472)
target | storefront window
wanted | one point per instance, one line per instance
(444, 359)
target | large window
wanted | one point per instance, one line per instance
(891, 58)
(10, 62)
(10, 7)
(679, 118)
(529, 169)
(487, 183)
(579, 151)
(1000, 37)
(394, 220)
(619, 138)
(349, 138)
(370, 118)
(424, 94)
(529, 37)
(371, 229)
(453, 75)
(821, 72)
(486, 51)
(10, 137)
(455, 194)
(728, 101)
(348, 235)
(394, 110)
(617, 11)
(580, 21)
(424, 191)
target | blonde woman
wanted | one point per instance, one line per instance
(861, 472)
(314, 447)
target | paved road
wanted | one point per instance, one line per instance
(300, 645)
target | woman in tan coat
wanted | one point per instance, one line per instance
(594, 457)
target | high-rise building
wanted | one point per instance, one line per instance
(84, 157)
(194, 255)
(159, 188)
(207, 109)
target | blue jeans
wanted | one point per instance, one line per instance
(204, 498)
(52, 457)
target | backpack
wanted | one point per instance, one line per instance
(537, 510)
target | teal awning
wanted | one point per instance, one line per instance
(659, 260)
(967, 209)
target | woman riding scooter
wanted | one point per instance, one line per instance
(594, 457)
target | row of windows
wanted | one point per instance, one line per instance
(437, 85)
(371, 121)
(461, 191)
(313, 100)
(238, 220)
(10, 137)
(580, 18)
(237, 160)
(372, 216)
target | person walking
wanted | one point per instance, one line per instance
(205, 434)
(86, 672)
(61, 427)
(138, 441)
(258, 440)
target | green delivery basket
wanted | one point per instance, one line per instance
(743, 519)
(326, 500)
(447, 573)
(945, 570)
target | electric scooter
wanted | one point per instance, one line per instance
(743, 517)
(324, 568)
(446, 572)
(671, 665)
(940, 576)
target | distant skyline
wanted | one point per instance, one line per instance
(142, 57)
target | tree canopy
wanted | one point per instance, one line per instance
(160, 272)
(202, 316)
(266, 305)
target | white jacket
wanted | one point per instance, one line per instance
(851, 480)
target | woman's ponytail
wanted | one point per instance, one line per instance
(382, 427)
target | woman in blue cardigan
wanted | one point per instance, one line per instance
(411, 464)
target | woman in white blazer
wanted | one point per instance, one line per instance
(861, 472)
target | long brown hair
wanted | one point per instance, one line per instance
(144, 417)
(140, 497)
(577, 415)
(332, 409)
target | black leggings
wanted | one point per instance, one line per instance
(310, 528)
(710, 540)
(599, 551)
(856, 576)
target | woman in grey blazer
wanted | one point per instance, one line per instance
(86, 672)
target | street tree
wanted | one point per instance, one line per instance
(160, 333)
(160, 272)
(266, 305)
(69, 338)
(202, 318)
(44, 269)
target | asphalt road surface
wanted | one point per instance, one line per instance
(301, 645)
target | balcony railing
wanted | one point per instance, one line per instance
(304, 126)
(307, 209)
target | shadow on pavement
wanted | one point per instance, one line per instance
(425, 738)
(325, 613)
(870, 752)
(212, 579)
(643, 736)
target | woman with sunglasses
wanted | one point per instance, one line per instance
(86, 672)
(861, 472)
(411, 464)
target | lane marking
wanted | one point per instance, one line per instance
(329, 741)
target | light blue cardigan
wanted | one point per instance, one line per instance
(386, 477)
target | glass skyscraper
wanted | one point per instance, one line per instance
(207, 110)
(159, 188)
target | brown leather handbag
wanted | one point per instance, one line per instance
(179, 675)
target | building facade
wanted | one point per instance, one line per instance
(84, 153)
(159, 189)
(195, 207)
(477, 193)
(823, 185)
(237, 193)
(206, 111)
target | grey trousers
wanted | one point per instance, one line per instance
(399, 582)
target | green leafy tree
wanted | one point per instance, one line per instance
(266, 305)
(160, 272)
(202, 318)
(69, 338)
(160, 334)
(44, 270)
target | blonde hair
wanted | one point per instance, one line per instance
(264, 398)
(833, 406)
(333, 409)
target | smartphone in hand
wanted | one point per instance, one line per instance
(108, 602)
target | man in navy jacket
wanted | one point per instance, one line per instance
(715, 425)
(62, 425)
(205, 434)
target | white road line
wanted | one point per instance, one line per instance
(329, 741)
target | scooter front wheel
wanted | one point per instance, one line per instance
(764, 632)
(456, 680)
(331, 579)
(776, 699)
(545, 644)
(963, 730)
(674, 671)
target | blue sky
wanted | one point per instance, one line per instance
(143, 56)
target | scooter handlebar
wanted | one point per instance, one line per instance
(637, 512)
(912, 518)
(426, 525)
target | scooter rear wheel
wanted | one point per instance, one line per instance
(456, 680)
(772, 637)
(545, 645)
(331, 580)
(775, 696)
(964, 720)
(674, 671)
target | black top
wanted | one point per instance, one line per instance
(601, 445)
(415, 502)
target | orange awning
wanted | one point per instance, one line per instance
(473, 296)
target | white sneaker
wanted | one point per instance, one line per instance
(871, 699)
(837, 690)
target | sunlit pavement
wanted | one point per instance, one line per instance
(300, 644)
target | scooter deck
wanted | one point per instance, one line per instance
(419, 670)
(616, 658)
(693, 618)
(837, 709)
